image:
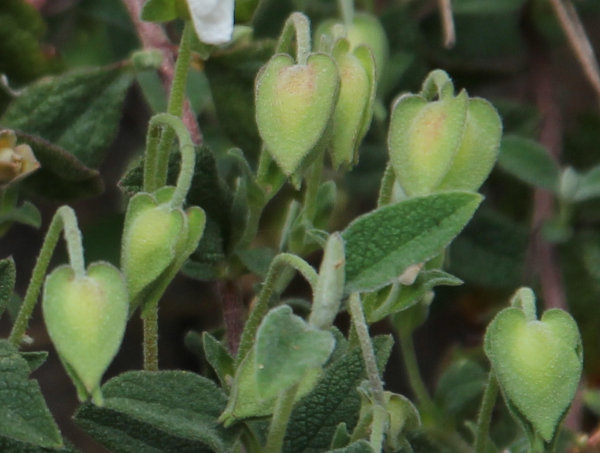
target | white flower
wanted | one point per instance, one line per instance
(213, 20)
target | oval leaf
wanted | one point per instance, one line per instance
(380, 245)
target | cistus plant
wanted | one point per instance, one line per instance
(309, 173)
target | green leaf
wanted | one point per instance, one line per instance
(62, 176)
(78, 111)
(8, 275)
(35, 359)
(156, 412)
(486, 7)
(257, 260)
(159, 11)
(334, 400)
(528, 161)
(490, 251)
(591, 398)
(24, 416)
(22, 55)
(362, 446)
(403, 297)
(589, 185)
(380, 245)
(461, 386)
(286, 348)
(231, 74)
(26, 214)
(219, 359)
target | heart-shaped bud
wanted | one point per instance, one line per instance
(537, 364)
(478, 150)
(151, 235)
(364, 30)
(294, 104)
(354, 108)
(86, 317)
(424, 138)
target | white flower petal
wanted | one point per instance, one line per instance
(213, 20)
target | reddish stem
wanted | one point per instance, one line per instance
(153, 36)
(233, 313)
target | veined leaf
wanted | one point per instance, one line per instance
(78, 111)
(380, 245)
(24, 416)
(157, 412)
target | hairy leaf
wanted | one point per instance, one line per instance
(380, 245)
(24, 416)
(333, 401)
(78, 111)
(157, 412)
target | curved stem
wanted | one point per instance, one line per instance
(312, 189)
(387, 186)
(298, 23)
(366, 347)
(378, 427)
(346, 8)
(280, 419)
(262, 303)
(73, 239)
(64, 216)
(150, 322)
(151, 158)
(188, 155)
(414, 375)
(175, 105)
(485, 413)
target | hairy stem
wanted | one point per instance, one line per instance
(150, 344)
(485, 413)
(63, 218)
(188, 154)
(153, 36)
(261, 306)
(366, 346)
(280, 419)
(414, 375)
(175, 105)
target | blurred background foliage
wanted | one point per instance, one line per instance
(499, 44)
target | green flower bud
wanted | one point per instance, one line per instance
(151, 235)
(423, 139)
(157, 239)
(365, 29)
(354, 108)
(538, 363)
(294, 105)
(450, 143)
(86, 317)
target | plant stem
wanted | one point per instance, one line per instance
(485, 413)
(150, 321)
(297, 22)
(150, 159)
(387, 186)
(366, 347)
(73, 239)
(175, 104)
(346, 8)
(261, 306)
(378, 427)
(188, 155)
(312, 189)
(64, 216)
(414, 375)
(280, 419)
